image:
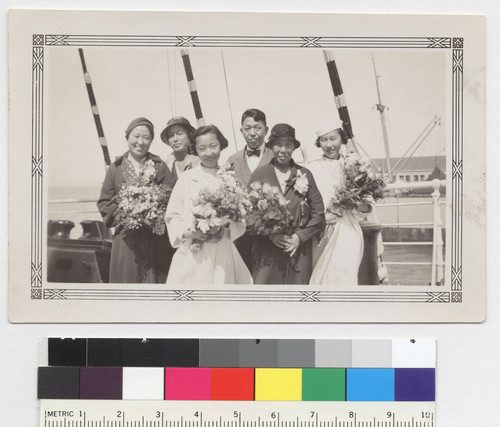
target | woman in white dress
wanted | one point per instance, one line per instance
(337, 257)
(216, 262)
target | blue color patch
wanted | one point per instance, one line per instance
(370, 385)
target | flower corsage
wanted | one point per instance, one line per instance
(301, 187)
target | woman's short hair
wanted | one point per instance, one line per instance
(342, 134)
(204, 130)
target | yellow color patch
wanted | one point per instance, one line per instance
(278, 384)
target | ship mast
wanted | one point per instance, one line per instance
(340, 99)
(95, 111)
(381, 109)
(200, 121)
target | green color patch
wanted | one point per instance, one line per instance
(323, 384)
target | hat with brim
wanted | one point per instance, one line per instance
(180, 121)
(280, 132)
(328, 126)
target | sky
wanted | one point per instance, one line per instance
(290, 85)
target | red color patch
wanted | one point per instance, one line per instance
(232, 384)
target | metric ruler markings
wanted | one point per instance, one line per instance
(149, 423)
(111, 413)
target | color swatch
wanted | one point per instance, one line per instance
(142, 352)
(278, 384)
(58, 383)
(143, 384)
(242, 353)
(415, 385)
(261, 384)
(67, 352)
(240, 369)
(101, 383)
(187, 384)
(323, 384)
(370, 385)
(232, 384)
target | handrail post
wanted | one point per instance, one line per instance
(437, 238)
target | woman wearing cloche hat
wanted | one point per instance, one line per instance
(336, 258)
(137, 256)
(178, 134)
(287, 258)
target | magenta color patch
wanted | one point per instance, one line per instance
(187, 383)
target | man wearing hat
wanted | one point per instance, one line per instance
(286, 258)
(244, 162)
(178, 135)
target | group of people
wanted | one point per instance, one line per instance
(318, 248)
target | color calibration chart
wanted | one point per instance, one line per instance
(238, 383)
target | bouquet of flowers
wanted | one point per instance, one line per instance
(142, 203)
(217, 205)
(268, 214)
(359, 186)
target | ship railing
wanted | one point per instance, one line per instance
(74, 201)
(437, 264)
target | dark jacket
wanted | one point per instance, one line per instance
(270, 263)
(239, 163)
(137, 256)
(115, 179)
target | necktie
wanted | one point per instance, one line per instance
(251, 153)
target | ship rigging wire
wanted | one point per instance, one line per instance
(172, 111)
(229, 99)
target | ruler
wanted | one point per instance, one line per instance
(132, 413)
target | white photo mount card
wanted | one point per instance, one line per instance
(408, 89)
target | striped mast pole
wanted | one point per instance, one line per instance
(341, 104)
(340, 100)
(200, 121)
(95, 111)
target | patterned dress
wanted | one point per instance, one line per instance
(137, 256)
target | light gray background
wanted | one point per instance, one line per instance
(468, 376)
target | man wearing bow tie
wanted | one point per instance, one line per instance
(254, 129)
(244, 162)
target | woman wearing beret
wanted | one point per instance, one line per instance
(137, 256)
(337, 257)
(287, 258)
(216, 259)
(178, 134)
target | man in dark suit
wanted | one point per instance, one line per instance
(244, 162)
(254, 129)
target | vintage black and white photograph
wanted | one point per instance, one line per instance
(323, 176)
(299, 198)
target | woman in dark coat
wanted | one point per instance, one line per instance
(287, 258)
(137, 256)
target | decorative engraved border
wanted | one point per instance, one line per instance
(248, 41)
(249, 295)
(457, 168)
(329, 296)
(37, 165)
